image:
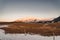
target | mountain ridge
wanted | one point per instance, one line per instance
(33, 19)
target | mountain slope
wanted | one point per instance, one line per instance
(33, 19)
(56, 19)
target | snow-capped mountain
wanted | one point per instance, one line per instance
(32, 19)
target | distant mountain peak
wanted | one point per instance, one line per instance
(32, 19)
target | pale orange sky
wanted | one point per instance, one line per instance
(13, 10)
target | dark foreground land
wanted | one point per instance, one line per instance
(46, 29)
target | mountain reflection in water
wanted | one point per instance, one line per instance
(4, 36)
(23, 37)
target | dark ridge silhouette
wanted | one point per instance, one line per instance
(56, 19)
(6, 23)
(44, 22)
(51, 21)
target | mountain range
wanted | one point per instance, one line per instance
(34, 20)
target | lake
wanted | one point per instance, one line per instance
(4, 36)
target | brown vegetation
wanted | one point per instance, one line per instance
(35, 28)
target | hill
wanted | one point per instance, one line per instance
(56, 19)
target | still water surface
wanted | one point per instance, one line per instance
(4, 36)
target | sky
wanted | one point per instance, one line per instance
(13, 9)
